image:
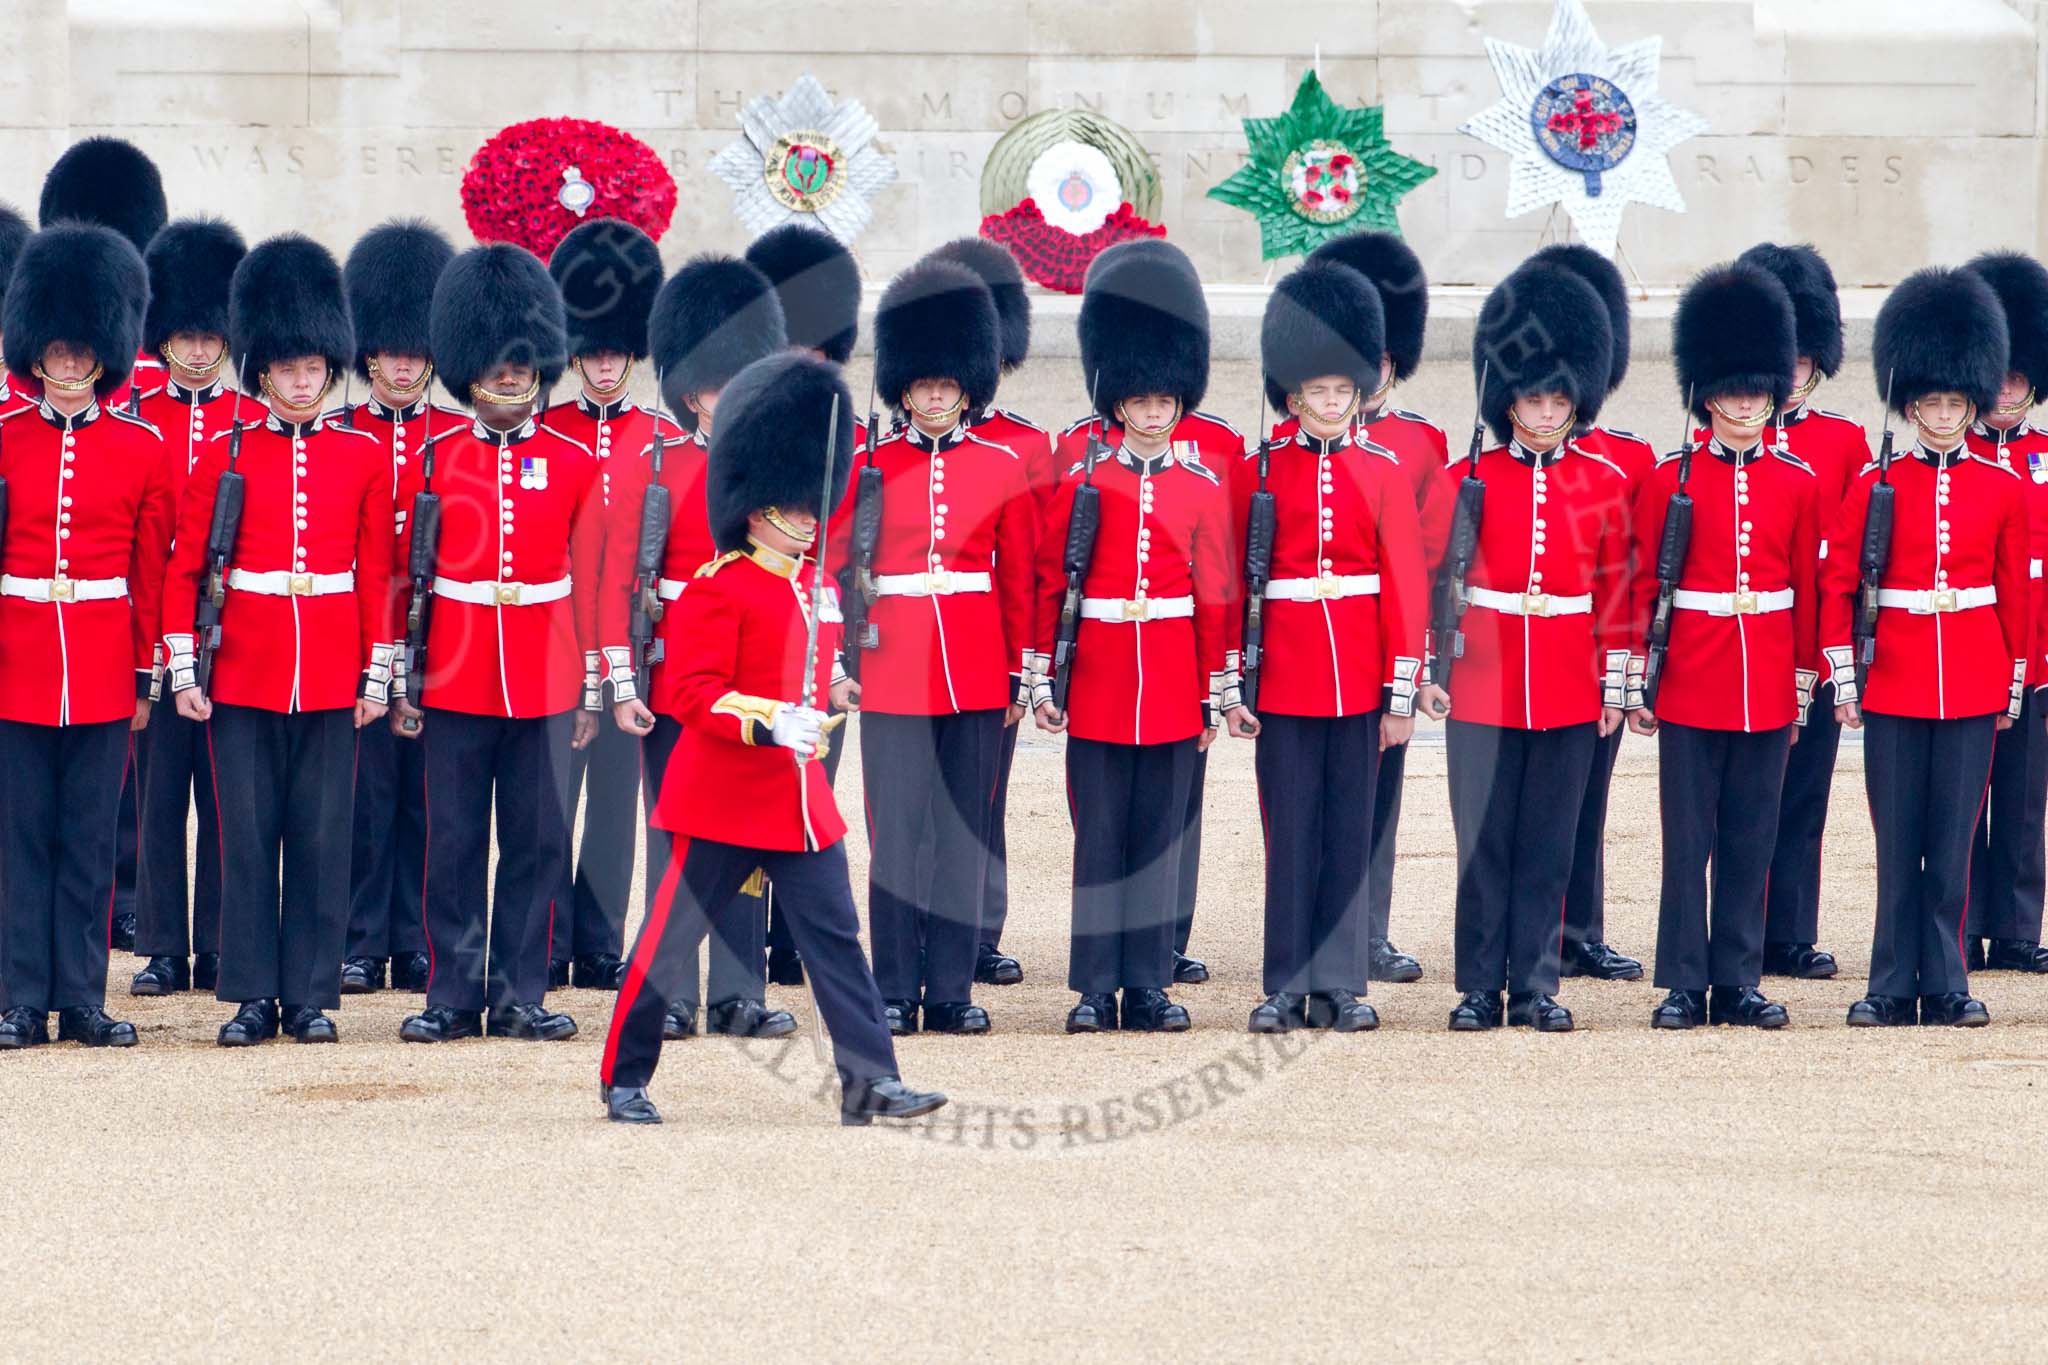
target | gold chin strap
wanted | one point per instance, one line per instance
(1743, 423)
(479, 394)
(948, 415)
(1943, 433)
(1560, 429)
(773, 516)
(604, 391)
(279, 400)
(70, 385)
(2023, 405)
(1150, 432)
(1379, 395)
(1804, 391)
(204, 372)
(405, 391)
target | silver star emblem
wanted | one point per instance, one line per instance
(802, 157)
(1584, 125)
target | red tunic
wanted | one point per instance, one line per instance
(1343, 509)
(1164, 534)
(88, 501)
(189, 419)
(316, 501)
(740, 635)
(1755, 530)
(519, 509)
(1556, 526)
(1034, 445)
(400, 432)
(954, 505)
(683, 463)
(1961, 527)
(1834, 448)
(2024, 451)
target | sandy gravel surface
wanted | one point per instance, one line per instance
(1615, 1193)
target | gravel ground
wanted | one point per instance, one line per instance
(1614, 1193)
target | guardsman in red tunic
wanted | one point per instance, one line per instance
(389, 276)
(509, 681)
(1736, 671)
(1835, 448)
(1343, 620)
(743, 790)
(1545, 634)
(1150, 680)
(1035, 446)
(82, 550)
(1952, 643)
(609, 272)
(1586, 952)
(305, 649)
(191, 263)
(713, 318)
(953, 577)
(1396, 272)
(2007, 872)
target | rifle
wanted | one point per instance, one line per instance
(1671, 553)
(221, 534)
(1084, 521)
(865, 539)
(1877, 551)
(424, 526)
(649, 553)
(810, 683)
(1462, 549)
(1258, 564)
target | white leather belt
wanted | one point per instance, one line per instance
(489, 594)
(1928, 603)
(937, 583)
(1323, 587)
(1733, 603)
(1136, 608)
(281, 583)
(1530, 603)
(670, 588)
(63, 589)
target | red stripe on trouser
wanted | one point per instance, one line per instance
(645, 949)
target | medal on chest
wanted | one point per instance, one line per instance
(533, 471)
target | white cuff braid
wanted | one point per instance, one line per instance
(1614, 686)
(398, 673)
(1636, 694)
(1842, 672)
(2018, 695)
(618, 661)
(1400, 693)
(156, 671)
(377, 677)
(1804, 680)
(593, 690)
(183, 663)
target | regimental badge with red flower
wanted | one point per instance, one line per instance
(534, 181)
(800, 156)
(1317, 171)
(1063, 186)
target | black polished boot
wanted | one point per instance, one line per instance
(599, 972)
(254, 1022)
(1800, 960)
(1389, 963)
(1148, 1010)
(22, 1027)
(1747, 1007)
(439, 1024)
(628, 1104)
(1475, 1012)
(121, 933)
(1340, 1012)
(862, 1103)
(1680, 1010)
(900, 1016)
(678, 1023)
(1095, 1014)
(1600, 962)
(1189, 971)
(1882, 1011)
(94, 1027)
(748, 1019)
(955, 1016)
(162, 976)
(409, 972)
(1957, 1009)
(2015, 955)
(1533, 1009)
(362, 976)
(1280, 1012)
(531, 1022)
(993, 968)
(306, 1024)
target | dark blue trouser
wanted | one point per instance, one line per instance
(1792, 899)
(1718, 802)
(171, 921)
(1926, 780)
(1316, 780)
(590, 911)
(2007, 873)
(1128, 803)
(390, 847)
(57, 861)
(738, 968)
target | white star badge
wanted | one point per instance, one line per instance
(1584, 125)
(800, 157)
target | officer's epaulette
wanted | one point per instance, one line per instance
(1993, 464)
(1789, 458)
(24, 405)
(1374, 448)
(1191, 460)
(1212, 417)
(1594, 455)
(565, 436)
(992, 445)
(712, 566)
(1005, 412)
(1824, 412)
(1668, 456)
(1620, 435)
(1081, 425)
(445, 432)
(1078, 466)
(343, 430)
(126, 416)
(147, 394)
(1405, 415)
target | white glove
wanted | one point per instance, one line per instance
(798, 728)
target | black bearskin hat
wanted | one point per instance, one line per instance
(714, 317)
(83, 285)
(496, 305)
(1815, 304)
(191, 265)
(819, 285)
(609, 272)
(1596, 270)
(1394, 269)
(1543, 330)
(1941, 331)
(107, 181)
(998, 270)
(769, 449)
(938, 321)
(1324, 319)
(14, 235)
(1144, 326)
(2022, 288)
(286, 301)
(1734, 332)
(390, 276)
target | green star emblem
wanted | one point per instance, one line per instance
(1319, 171)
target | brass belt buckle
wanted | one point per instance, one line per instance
(62, 590)
(1135, 608)
(938, 582)
(1535, 604)
(1328, 586)
(1745, 603)
(301, 584)
(508, 594)
(1943, 599)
